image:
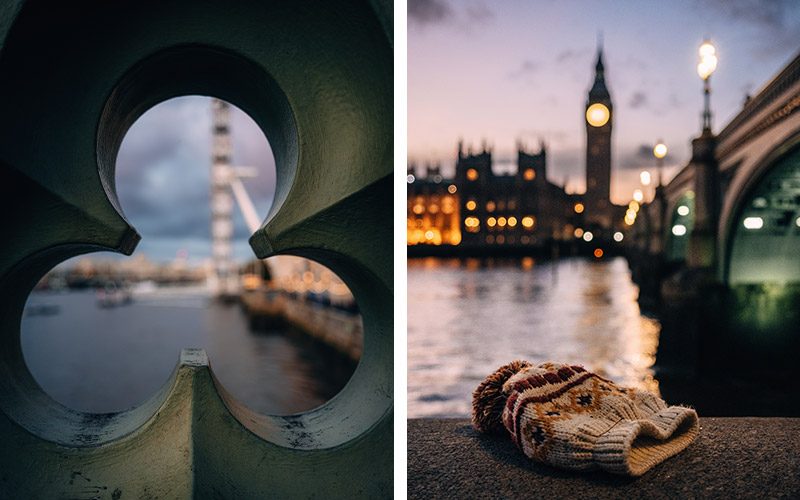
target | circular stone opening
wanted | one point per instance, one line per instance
(102, 332)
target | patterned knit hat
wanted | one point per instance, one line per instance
(567, 417)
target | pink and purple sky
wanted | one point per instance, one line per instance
(517, 69)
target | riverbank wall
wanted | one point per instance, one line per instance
(732, 458)
(342, 331)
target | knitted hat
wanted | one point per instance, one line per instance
(567, 417)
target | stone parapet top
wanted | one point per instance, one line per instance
(732, 458)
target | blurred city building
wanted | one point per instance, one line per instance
(433, 209)
(480, 209)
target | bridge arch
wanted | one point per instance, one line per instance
(762, 229)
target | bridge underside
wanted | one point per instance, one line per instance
(765, 242)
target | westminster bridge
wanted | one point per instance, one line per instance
(718, 249)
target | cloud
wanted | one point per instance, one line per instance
(638, 100)
(527, 67)
(634, 62)
(428, 11)
(640, 158)
(163, 173)
(674, 100)
(479, 14)
(767, 13)
(532, 138)
(570, 56)
(777, 20)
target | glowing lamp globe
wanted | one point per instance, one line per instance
(707, 50)
(708, 61)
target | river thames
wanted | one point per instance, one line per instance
(468, 317)
(105, 359)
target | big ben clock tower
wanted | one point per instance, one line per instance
(599, 118)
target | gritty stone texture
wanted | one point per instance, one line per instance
(732, 458)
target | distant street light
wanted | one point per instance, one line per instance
(645, 179)
(708, 63)
(660, 151)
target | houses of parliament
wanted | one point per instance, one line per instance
(483, 211)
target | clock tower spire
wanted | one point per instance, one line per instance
(599, 119)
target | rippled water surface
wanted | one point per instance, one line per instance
(108, 359)
(467, 317)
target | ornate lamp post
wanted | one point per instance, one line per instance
(657, 213)
(660, 151)
(708, 63)
(702, 242)
(646, 179)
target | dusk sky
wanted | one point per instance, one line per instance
(521, 69)
(499, 71)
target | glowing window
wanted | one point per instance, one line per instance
(529, 174)
(753, 223)
(472, 174)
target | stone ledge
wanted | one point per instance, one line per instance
(732, 458)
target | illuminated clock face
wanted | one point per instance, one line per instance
(597, 115)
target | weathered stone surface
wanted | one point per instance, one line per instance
(732, 458)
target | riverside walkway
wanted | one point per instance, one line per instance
(732, 458)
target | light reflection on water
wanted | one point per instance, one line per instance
(467, 318)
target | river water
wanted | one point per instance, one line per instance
(468, 317)
(109, 359)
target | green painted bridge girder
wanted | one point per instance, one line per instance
(317, 77)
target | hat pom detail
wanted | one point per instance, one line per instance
(488, 400)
